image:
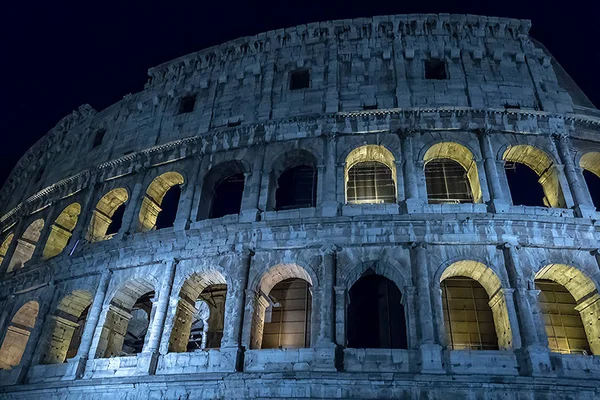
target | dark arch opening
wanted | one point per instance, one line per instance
(227, 196)
(370, 182)
(170, 202)
(376, 314)
(447, 182)
(138, 325)
(525, 188)
(76, 338)
(116, 220)
(296, 188)
(593, 183)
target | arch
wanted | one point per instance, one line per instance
(200, 315)
(4, 246)
(289, 275)
(26, 245)
(17, 335)
(222, 190)
(127, 319)
(67, 327)
(370, 175)
(376, 317)
(590, 164)
(562, 310)
(107, 216)
(61, 231)
(543, 166)
(489, 281)
(462, 185)
(151, 210)
(293, 181)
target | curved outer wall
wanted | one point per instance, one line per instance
(502, 91)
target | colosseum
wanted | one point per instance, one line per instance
(391, 207)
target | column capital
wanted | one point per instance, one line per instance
(418, 245)
(510, 245)
(244, 251)
(329, 249)
(339, 290)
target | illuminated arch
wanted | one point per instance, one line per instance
(579, 310)
(151, 204)
(538, 161)
(496, 301)
(4, 247)
(103, 213)
(370, 175)
(17, 335)
(459, 154)
(67, 326)
(26, 245)
(61, 231)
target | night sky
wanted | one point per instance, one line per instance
(57, 55)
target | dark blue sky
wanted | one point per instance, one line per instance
(59, 55)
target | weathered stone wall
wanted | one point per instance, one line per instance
(246, 119)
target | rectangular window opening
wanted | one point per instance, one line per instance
(299, 79)
(508, 106)
(187, 104)
(98, 138)
(370, 107)
(435, 69)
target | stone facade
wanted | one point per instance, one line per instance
(231, 110)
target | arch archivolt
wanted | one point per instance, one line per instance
(590, 161)
(280, 156)
(347, 144)
(468, 140)
(202, 273)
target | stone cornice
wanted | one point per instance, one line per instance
(391, 120)
(389, 26)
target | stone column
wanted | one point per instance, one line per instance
(132, 207)
(10, 252)
(535, 356)
(148, 358)
(76, 366)
(583, 206)
(498, 201)
(329, 204)
(186, 202)
(326, 336)
(249, 211)
(431, 352)
(234, 322)
(257, 327)
(411, 187)
(84, 217)
(340, 314)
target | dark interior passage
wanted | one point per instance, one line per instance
(116, 220)
(138, 324)
(375, 314)
(593, 183)
(525, 189)
(227, 196)
(296, 188)
(170, 202)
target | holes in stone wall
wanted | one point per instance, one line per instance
(435, 69)
(98, 138)
(468, 318)
(137, 326)
(228, 196)
(187, 104)
(299, 79)
(525, 189)
(375, 314)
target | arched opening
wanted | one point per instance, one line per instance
(468, 318)
(283, 309)
(200, 317)
(4, 247)
(127, 320)
(370, 176)
(288, 316)
(67, 327)
(474, 308)
(293, 181)
(376, 316)
(590, 163)
(61, 231)
(222, 191)
(532, 177)
(451, 175)
(107, 217)
(159, 206)
(570, 309)
(26, 245)
(17, 335)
